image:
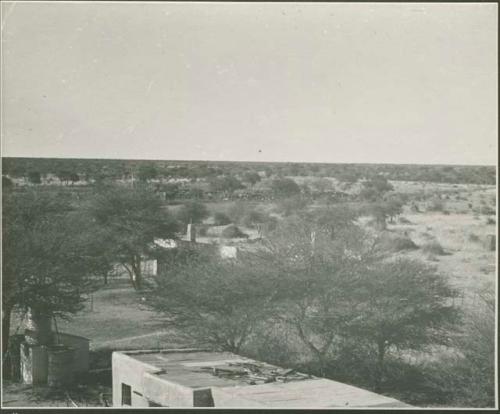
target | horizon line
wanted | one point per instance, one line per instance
(252, 162)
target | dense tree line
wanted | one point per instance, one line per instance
(96, 169)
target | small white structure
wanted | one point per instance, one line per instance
(166, 243)
(228, 252)
(149, 267)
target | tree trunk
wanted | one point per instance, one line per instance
(39, 327)
(322, 363)
(137, 274)
(381, 223)
(379, 371)
(6, 317)
(320, 356)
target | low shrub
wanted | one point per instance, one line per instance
(396, 243)
(427, 235)
(436, 205)
(221, 219)
(255, 217)
(404, 220)
(290, 205)
(201, 230)
(473, 237)
(490, 220)
(488, 211)
(432, 258)
(434, 247)
(232, 232)
(414, 207)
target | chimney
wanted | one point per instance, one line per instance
(191, 233)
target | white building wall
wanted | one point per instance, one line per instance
(128, 371)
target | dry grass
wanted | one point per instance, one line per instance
(119, 320)
(468, 259)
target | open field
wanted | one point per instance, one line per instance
(467, 261)
(118, 320)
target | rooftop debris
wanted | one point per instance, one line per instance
(254, 374)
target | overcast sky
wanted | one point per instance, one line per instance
(381, 83)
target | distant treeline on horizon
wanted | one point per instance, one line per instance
(95, 169)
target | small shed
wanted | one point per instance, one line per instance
(35, 361)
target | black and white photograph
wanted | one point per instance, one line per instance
(249, 205)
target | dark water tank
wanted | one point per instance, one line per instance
(60, 365)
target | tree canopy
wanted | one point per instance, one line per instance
(215, 302)
(47, 256)
(192, 212)
(284, 187)
(403, 304)
(147, 172)
(129, 221)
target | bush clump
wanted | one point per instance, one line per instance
(201, 230)
(488, 211)
(436, 205)
(435, 248)
(473, 237)
(414, 208)
(254, 217)
(397, 243)
(221, 219)
(232, 232)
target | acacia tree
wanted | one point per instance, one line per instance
(130, 219)
(333, 219)
(318, 270)
(226, 184)
(251, 177)
(402, 304)
(321, 184)
(213, 301)
(284, 187)
(34, 177)
(467, 378)
(336, 289)
(192, 212)
(7, 183)
(47, 264)
(375, 188)
(147, 172)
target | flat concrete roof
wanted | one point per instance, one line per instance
(238, 381)
(196, 369)
(315, 392)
